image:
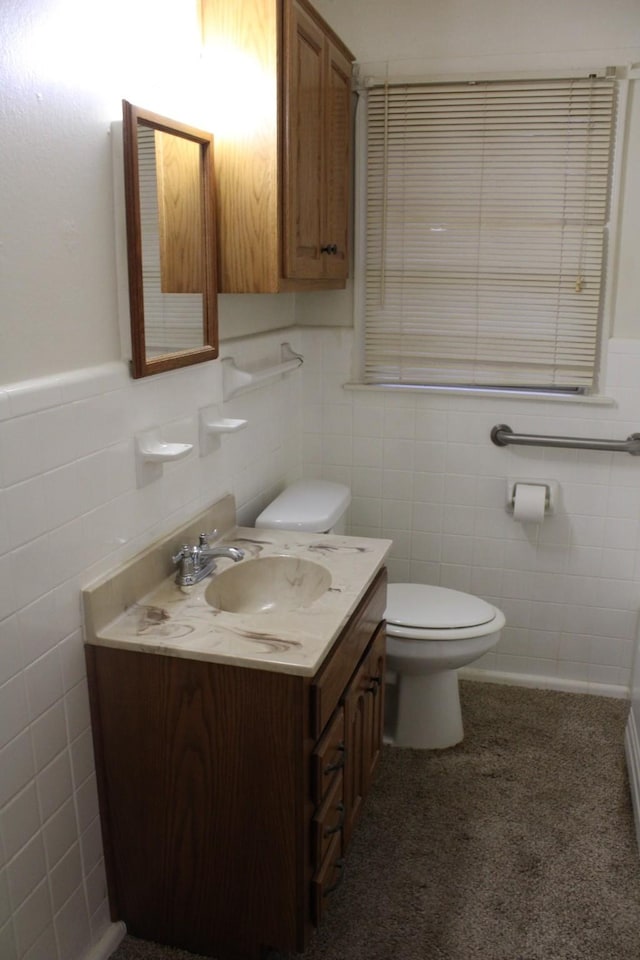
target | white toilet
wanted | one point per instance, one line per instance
(431, 631)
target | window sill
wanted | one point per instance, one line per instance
(596, 399)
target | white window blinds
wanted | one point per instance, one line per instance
(486, 212)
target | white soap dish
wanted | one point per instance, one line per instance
(212, 426)
(160, 452)
(152, 452)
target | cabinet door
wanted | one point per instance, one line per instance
(283, 153)
(364, 714)
(317, 171)
(304, 152)
(337, 185)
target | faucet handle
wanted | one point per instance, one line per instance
(188, 565)
(183, 554)
(205, 538)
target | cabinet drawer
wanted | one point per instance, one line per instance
(328, 757)
(327, 879)
(328, 821)
(334, 675)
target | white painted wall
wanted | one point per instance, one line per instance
(450, 31)
(66, 66)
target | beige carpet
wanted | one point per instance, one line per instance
(518, 844)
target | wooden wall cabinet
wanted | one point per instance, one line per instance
(283, 170)
(229, 795)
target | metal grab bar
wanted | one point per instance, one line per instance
(502, 435)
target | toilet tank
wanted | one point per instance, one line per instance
(315, 506)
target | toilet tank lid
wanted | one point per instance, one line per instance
(314, 506)
(437, 608)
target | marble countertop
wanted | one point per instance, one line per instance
(178, 621)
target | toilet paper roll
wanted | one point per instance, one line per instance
(528, 502)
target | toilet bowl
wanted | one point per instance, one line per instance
(431, 631)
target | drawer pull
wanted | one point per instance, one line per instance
(337, 764)
(339, 866)
(376, 683)
(339, 825)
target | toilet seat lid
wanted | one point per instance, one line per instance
(425, 607)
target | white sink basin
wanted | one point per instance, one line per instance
(268, 585)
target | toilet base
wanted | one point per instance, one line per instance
(428, 711)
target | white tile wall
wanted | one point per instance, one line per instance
(424, 472)
(69, 511)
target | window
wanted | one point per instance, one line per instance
(487, 206)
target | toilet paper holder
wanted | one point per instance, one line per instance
(550, 497)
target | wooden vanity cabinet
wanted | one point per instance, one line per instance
(283, 169)
(228, 795)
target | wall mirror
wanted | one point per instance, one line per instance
(171, 242)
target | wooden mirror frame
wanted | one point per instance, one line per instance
(141, 365)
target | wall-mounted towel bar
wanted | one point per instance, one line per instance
(502, 436)
(235, 380)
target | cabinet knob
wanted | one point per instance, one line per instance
(376, 683)
(331, 248)
(337, 764)
(328, 831)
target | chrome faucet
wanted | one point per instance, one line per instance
(196, 563)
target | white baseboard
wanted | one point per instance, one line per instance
(108, 942)
(546, 683)
(632, 752)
